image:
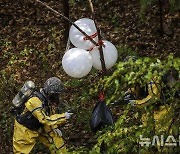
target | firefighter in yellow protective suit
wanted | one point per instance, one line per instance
(150, 95)
(37, 120)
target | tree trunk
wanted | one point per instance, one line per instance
(66, 23)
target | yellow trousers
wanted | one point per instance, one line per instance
(25, 139)
(162, 117)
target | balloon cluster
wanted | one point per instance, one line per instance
(77, 62)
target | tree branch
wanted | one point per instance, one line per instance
(99, 38)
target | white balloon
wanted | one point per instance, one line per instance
(77, 38)
(77, 62)
(110, 55)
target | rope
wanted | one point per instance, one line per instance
(90, 49)
(101, 43)
(91, 36)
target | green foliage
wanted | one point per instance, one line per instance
(124, 136)
(141, 71)
(81, 150)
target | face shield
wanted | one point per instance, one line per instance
(54, 98)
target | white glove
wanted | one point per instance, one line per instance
(132, 102)
(128, 96)
(57, 132)
(67, 115)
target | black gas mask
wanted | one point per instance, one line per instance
(54, 98)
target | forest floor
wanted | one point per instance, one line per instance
(32, 46)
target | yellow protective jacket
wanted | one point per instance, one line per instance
(35, 106)
(24, 139)
(160, 111)
(154, 93)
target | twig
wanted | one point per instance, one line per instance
(99, 38)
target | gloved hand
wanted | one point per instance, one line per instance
(115, 102)
(132, 102)
(128, 96)
(57, 132)
(67, 115)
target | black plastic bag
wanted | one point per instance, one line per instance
(101, 116)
